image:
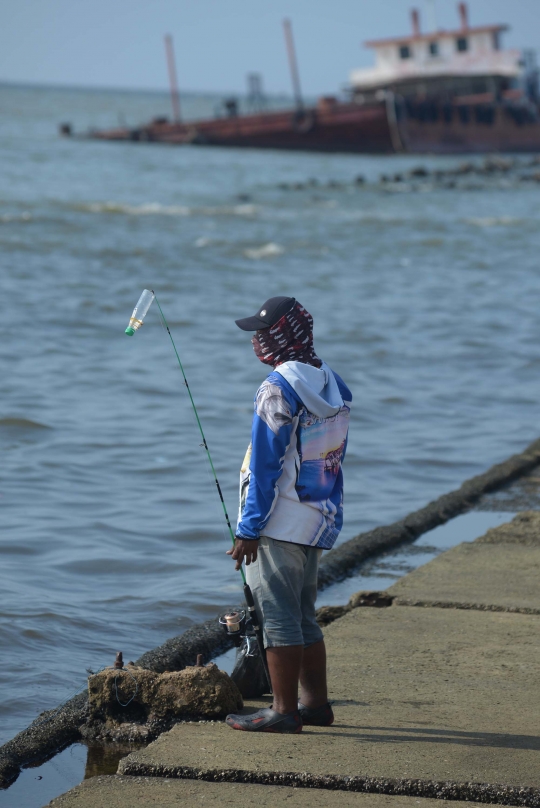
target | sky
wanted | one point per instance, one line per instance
(119, 43)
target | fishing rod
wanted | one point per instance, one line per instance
(235, 622)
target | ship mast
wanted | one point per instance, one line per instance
(171, 66)
(293, 65)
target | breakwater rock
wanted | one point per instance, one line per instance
(136, 704)
(492, 172)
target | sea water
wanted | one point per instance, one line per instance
(425, 301)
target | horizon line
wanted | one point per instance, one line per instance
(110, 88)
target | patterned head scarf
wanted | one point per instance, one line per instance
(290, 339)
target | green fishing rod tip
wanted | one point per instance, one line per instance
(130, 331)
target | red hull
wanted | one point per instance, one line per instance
(379, 128)
(341, 128)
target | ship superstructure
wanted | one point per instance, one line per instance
(465, 61)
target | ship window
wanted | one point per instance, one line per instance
(404, 52)
(464, 114)
(434, 48)
(496, 41)
(462, 44)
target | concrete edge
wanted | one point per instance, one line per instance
(471, 792)
(449, 604)
(61, 726)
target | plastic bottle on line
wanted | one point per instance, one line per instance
(139, 312)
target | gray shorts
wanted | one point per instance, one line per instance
(284, 585)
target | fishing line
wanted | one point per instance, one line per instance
(135, 322)
(206, 466)
(204, 443)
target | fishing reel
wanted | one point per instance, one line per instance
(239, 628)
(234, 625)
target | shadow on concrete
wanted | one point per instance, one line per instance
(442, 736)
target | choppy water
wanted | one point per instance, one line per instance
(111, 538)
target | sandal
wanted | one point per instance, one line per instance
(316, 716)
(267, 720)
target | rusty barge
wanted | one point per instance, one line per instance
(444, 92)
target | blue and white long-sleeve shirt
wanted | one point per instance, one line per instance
(291, 482)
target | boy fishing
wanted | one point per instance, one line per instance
(291, 508)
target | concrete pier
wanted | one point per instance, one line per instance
(436, 697)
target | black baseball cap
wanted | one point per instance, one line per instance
(270, 312)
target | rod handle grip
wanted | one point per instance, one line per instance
(248, 594)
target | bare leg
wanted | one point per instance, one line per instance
(313, 689)
(284, 665)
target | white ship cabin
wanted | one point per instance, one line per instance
(466, 61)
